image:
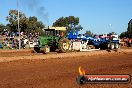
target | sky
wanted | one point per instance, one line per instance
(98, 16)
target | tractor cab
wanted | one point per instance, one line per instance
(51, 35)
(54, 31)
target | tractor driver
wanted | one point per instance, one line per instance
(61, 34)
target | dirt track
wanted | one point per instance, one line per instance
(39, 71)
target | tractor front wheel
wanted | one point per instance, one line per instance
(37, 49)
(46, 49)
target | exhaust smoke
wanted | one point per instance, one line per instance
(35, 6)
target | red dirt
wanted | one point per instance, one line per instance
(62, 72)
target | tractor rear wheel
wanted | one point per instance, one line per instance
(64, 45)
(46, 49)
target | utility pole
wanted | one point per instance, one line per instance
(18, 24)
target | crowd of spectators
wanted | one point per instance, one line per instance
(10, 40)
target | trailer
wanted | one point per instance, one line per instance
(110, 41)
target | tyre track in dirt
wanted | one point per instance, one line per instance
(14, 55)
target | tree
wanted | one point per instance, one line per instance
(27, 25)
(34, 25)
(129, 29)
(13, 20)
(123, 34)
(127, 33)
(89, 33)
(113, 33)
(2, 27)
(70, 22)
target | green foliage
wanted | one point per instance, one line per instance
(129, 29)
(128, 33)
(113, 33)
(70, 22)
(34, 25)
(123, 34)
(13, 18)
(27, 25)
(89, 33)
(2, 27)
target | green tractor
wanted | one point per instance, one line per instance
(53, 39)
